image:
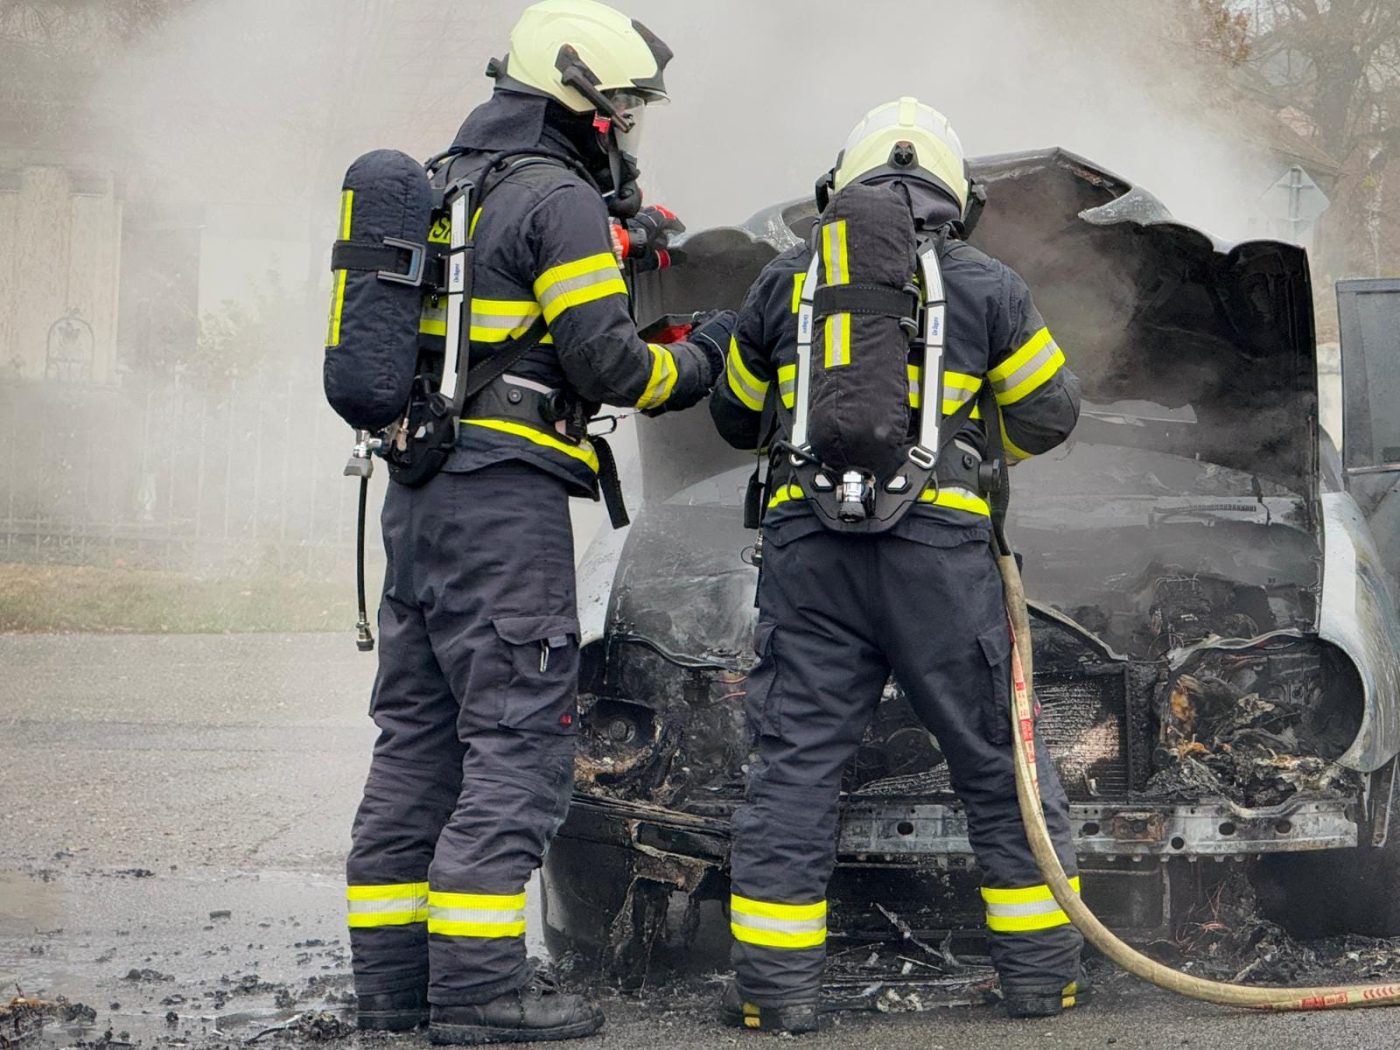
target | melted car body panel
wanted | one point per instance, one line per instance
(1216, 640)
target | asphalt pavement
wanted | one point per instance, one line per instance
(174, 813)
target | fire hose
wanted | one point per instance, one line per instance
(1094, 931)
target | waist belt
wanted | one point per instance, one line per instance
(960, 466)
(558, 414)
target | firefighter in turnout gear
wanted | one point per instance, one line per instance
(475, 694)
(840, 612)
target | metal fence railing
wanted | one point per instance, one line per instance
(246, 478)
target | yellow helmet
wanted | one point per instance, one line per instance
(584, 54)
(904, 137)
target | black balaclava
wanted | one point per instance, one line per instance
(932, 205)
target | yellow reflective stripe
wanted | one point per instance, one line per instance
(950, 406)
(1028, 369)
(398, 904)
(834, 253)
(787, 384)
(577, 283)
(476, 914)
(433, 320)
(778, 938)
(492, 320)
(1014, 453)
(955, 497)
(385, 893)
(773, 910)
(744, 385)
(1023, 910)
(457, 928)
(785, 495)
(471, 229)
(497, 320)
(957, 390)
(838, 340)
(1026, 923)
(1046, 371)
(799, 281)
(663, 378)
(337, 307)
(347, 206)
(773, 925)
(1028, 350)
(1024, 894)
(583, 451)
(961, 381)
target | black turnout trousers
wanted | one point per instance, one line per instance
(476, 706)
(838, 614)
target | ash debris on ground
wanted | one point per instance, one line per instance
(23, 1018)
(1227, 938)
(315, 1025)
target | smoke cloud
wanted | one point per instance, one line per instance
(236, 119)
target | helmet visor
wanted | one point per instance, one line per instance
(632, 106)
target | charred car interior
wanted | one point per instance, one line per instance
(1215, 628)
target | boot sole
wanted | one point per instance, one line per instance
(735, 1019)
(390, 1020)
(471, 1034)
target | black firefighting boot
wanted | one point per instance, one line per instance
(400, 1011)
(535, 1012)
(794, 1019)
(1029, 1000)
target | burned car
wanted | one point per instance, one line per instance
(1216, 635)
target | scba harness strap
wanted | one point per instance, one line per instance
(856, 501)
(428, 432)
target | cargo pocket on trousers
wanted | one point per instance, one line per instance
(996, 706)
(759, 699)
(540, 690)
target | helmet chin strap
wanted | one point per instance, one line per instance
(625, 199)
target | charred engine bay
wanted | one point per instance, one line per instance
(1254, 723)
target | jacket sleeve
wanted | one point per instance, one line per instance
(1037, 393)
(580, 289)
(736, 405)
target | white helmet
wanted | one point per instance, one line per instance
(588, 57)
(904, 138)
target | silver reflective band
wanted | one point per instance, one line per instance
(477, 915)
(1027, 908)
(1037, 361)
(763, 922)
(577, 284)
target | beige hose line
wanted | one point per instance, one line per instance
(1099, 935)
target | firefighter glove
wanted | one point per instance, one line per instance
(711, 335)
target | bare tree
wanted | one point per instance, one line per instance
(51, 51)
(1331, 69)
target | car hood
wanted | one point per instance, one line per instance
(1185, 345)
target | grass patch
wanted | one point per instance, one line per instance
(67, 598)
